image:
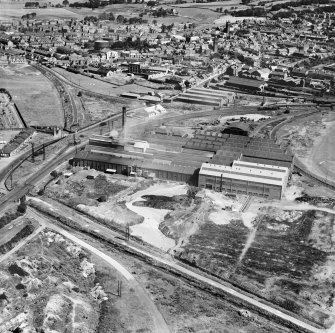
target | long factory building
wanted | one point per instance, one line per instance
(221, 162)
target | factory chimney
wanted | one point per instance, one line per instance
(124, 110)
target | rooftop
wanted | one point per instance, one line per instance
(253, 172)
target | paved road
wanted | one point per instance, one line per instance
(174, 266)
(159, 323)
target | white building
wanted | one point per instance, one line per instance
(245, 178)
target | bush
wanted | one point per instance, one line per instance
(22, 208)
(54, 174)
(103, 198)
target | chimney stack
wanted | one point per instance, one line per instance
(124, 110)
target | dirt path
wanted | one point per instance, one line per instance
(160, 325)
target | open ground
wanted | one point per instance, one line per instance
(10, 11)
(313, 141)
(38, 105)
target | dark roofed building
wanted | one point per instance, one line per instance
(245, 84)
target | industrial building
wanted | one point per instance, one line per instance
(222, 162)
(205, 96)
(245, 178)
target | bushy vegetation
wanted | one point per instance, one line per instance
(28, 16)
(286, 5)
(31, 4)
(8, 217)
(257, 12)
(130, 44)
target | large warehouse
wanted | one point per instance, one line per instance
(222, 162)
(245, 178)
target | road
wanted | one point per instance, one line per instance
(159, 323)
(166, 261)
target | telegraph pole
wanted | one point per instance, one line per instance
(127, 232)
(119, 288)
(32, 152)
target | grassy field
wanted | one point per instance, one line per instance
(34, 95)
(14, 11)
(233, 3)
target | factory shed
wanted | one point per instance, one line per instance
(142, 167)
(245, 84)
(245, 178)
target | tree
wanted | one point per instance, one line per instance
(65, 2)
(94, 3)
(103, 16)
(120, 19)
(111, 17)
(54, 174)
(151, 3)
(22, 208)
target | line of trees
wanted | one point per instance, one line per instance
(31, 4)
(129, 44)
(286, 5)
(29, 16)
(162, 12)
(290, 13)
(257, 12)
(101, 3)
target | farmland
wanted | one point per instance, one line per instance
(17, 10)
(38, 105)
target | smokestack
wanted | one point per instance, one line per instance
(124, 110)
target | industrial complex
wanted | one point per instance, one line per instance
(233, 163)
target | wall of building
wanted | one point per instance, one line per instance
(141, 171)
(240, 186)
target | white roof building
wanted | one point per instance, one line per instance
(248, 171)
